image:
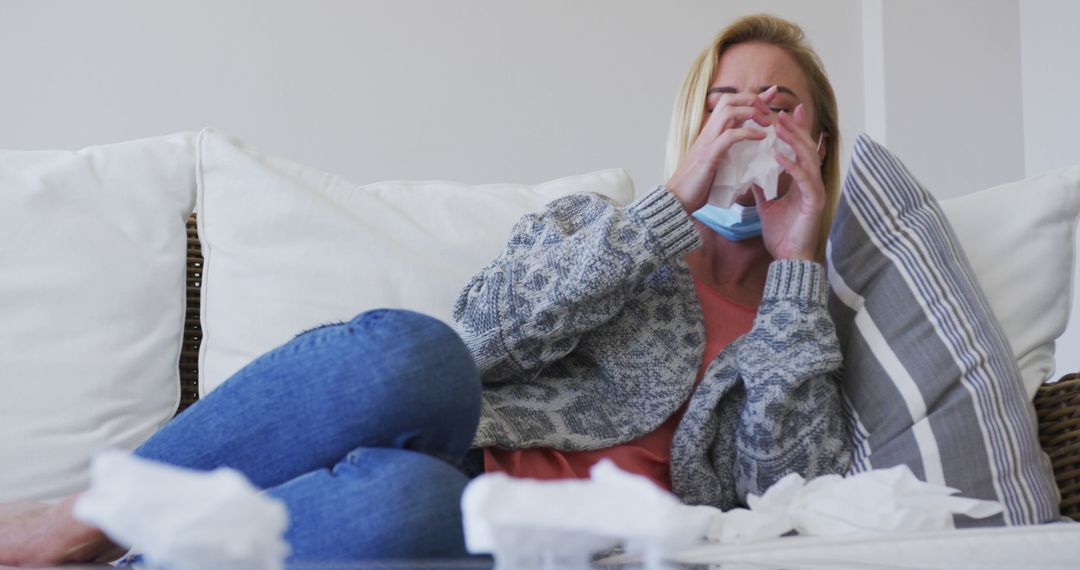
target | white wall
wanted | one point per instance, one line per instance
(975, 93)
(470, 90)
(945, 90)
(523, 90)
(1051, 82)
(1050, 47)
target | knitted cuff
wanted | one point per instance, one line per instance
(668, 223)
(796, 279)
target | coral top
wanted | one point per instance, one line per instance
(650, 454)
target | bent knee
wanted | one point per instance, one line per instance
(409, 330)
(423, 357)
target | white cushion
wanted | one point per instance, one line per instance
(1019, 238)
(92, 251)
(288, 247)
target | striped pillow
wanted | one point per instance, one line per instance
(929, 379)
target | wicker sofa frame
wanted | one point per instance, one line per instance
(1057, 404)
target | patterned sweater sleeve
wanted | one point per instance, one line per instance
(792, 419)
(565, 271)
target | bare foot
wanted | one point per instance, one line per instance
(40, 534)
(20, 531)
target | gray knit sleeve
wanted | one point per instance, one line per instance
(792, 420)
(565, 271)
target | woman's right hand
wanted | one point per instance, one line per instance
(693, 179)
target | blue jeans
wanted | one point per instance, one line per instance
(357, 428)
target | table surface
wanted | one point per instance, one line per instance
(479, 563)
(1038, 547)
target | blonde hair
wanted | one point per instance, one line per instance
(689, 110)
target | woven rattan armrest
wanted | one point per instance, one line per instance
(189, 352)
(1058, 408)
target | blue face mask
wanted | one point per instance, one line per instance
(735, 223)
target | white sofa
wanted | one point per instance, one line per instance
(97, 277)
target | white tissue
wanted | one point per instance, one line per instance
(749, 162)
(181, 519)
(882, 501)
(529, 523)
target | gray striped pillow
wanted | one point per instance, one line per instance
(928, 378)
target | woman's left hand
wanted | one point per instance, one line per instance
(791, 224)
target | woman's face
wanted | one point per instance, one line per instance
(753, 67)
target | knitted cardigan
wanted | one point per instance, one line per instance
(588, 333)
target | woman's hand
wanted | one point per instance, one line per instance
(791, 224)
(693, 179)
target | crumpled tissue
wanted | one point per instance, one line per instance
(529, 523)
(546, 524)
(182, 519)
(749, 162)
(880, 501)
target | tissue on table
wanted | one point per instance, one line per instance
(749, 162)
(182, 519)
(880, 501)
(530, 523)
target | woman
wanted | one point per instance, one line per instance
(634, 333)
(591, 325)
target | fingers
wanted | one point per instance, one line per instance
(735, 116)
(768, 94)
(801, 118)
(797, 136)
(759, 101)
(762, 120)
(796, 123)
(693, 179)
(732, 136)
(732, 107)
(759, 196)
(765, 97)
(727, 115)
(807, 182)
